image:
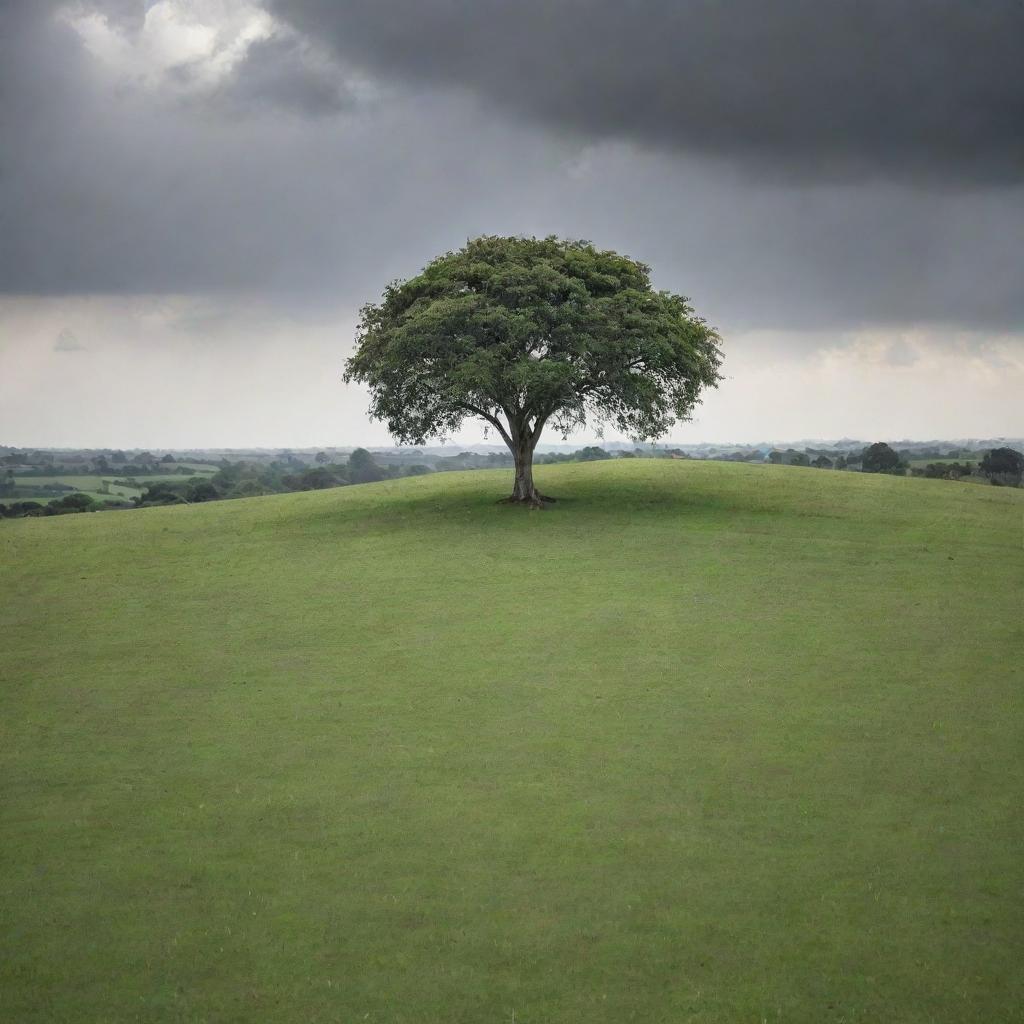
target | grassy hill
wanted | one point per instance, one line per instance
(703, 742)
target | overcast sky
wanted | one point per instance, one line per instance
(196, 196)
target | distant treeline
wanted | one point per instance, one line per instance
(253, 477)
(36, 463)
(1003, 467)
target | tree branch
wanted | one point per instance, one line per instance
(538, 425)
(493, 420)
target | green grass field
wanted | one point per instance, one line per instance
(704, 742)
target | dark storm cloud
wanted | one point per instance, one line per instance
(815, 88)
(284, 71)
(280, 181)
(128, 13)
(108, 187)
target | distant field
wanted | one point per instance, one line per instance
(116, 494)
(90, 484)
(91, 480)
(32, 489)
(704, 742)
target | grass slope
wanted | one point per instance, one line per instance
(701, 743)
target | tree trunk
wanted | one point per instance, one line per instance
(523, 491)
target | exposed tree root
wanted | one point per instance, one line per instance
(535, 500)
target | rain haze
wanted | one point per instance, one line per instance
(198, 195)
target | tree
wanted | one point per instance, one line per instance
(314, 480)
(947, 470)
(592, 454)
(163, 492)
(822, 462)
(71, 503)
(322, 458)
(247, 489)
(201, 490)
(880, 458)
(523, 332)
(790, 457)
(24, 508)
(1003, 466)
(362, 469)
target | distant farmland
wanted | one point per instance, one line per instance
(31, 487)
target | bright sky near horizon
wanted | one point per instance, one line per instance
(198, 195)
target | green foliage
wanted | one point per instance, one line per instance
(201, 490)
(1003, 465)
(23, 508)
(362, 469)
(790, 457)
(592, 454)
(947, 470)
(524, 331)
(69, 503)
(880, 458)
(246, 489)
(316, 479)
(164, 492)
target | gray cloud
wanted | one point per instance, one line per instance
(284, 71)
(313, 201)
(108, 189)
(128, 13)
(920, 89)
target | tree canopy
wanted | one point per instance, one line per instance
(526, 332)
(1003, 465)
(362, 469)
(880, 458)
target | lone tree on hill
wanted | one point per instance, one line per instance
(522, 332)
